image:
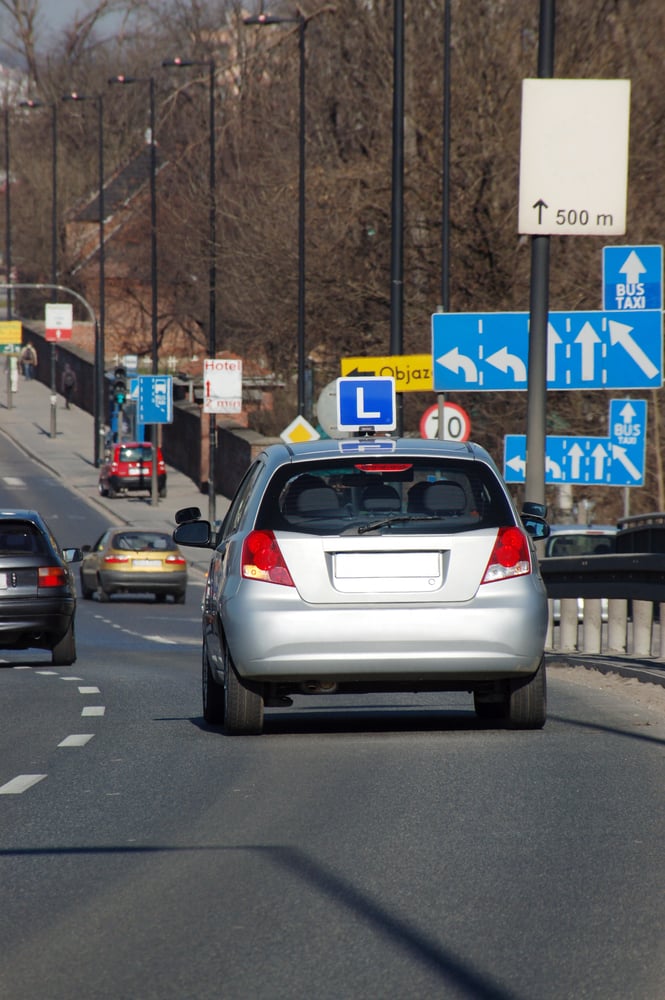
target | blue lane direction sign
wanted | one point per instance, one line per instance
(616, 460)
(628, 438)
(366, 402)
(155, 401)
(585, 350)
(632, 278)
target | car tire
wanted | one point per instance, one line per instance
(243, 702)
(103, 491)
(63, 653)
(160, 598)
(527, 700)
(212, 692)
(102, 595)
(162, 492)
(180, 598)
(86, 593)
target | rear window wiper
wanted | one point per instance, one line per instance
(395, 519)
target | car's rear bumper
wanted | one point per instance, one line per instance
(39, 622)
(500, 634)
(133, 483)
(144, 582)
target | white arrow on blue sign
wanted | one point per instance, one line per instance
(366, 402)
(632, 278)
(585, 350)
(155, 402)
(617, 460)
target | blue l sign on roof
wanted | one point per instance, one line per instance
(632, 278)
(366, 402)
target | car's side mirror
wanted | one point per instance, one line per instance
(196, 533)
(535, 526)
(187, 514)
(531, 508)
(72, 555)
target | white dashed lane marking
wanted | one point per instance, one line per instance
(93, 710)
(20, 783)
(89, 690)
(76, 740)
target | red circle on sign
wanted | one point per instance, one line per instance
(457, 423)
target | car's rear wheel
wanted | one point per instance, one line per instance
(243, 702)
(213, 693)
(63, 653)
(85, 591)
(103, 491)
(527, 700)
(102, 595)
(160, 598)
(180, 598)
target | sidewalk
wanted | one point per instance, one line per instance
(70, 456)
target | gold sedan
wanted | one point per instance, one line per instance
(134, 561)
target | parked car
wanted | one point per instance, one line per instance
(127, 468)
(37, 587)
(581, 540)
(134, 561)
(371, 565)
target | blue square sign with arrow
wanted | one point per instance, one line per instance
(632, 278)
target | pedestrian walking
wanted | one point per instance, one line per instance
(69, 383)
(29, 360)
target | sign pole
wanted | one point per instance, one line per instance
(539, 307)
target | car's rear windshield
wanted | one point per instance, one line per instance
(579, 543)
(21, 537)
(411, 495)
(142, 540)
(137, 453)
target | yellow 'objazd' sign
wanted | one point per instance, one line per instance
(11, 331)
(412, 372)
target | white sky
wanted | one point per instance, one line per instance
(56, 14)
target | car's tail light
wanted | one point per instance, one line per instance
(510, 555)
(116, 559)
(114, 466)
(262, 559)
(52, 576)
(176, 561)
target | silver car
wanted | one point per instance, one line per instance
(371, 564)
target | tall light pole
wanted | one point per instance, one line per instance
(100, 349)
(8, 216)
(212, 263)
(54, 235)
(301, 21)
(121, 79)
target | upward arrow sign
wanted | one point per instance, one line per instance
(633, 268)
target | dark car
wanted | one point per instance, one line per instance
(371, 565)
(127, 468)
(134, 561)
(37, 587)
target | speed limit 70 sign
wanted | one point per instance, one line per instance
(456, 423)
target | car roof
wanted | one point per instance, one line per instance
(24, 514)
(329, 448)
(583, 529)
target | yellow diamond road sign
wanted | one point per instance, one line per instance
(299, 430)
(412, 372)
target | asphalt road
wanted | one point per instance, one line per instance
(381, 847)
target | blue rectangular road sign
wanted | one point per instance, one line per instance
(155, 399)
(366, 402)
(616, 460)
(632, 278)
(585, 350)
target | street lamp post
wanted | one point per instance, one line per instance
(54, 237)
(301, 21)
(212, 267)
(100, 349)
(121, 79)
(8, 216)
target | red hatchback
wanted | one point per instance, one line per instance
(127, 468)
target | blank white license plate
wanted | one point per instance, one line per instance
(146, 562)
(3, 581)
(139, 472)
(364, 565)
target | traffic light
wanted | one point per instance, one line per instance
(120, 385)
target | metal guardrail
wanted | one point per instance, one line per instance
(633, 584)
